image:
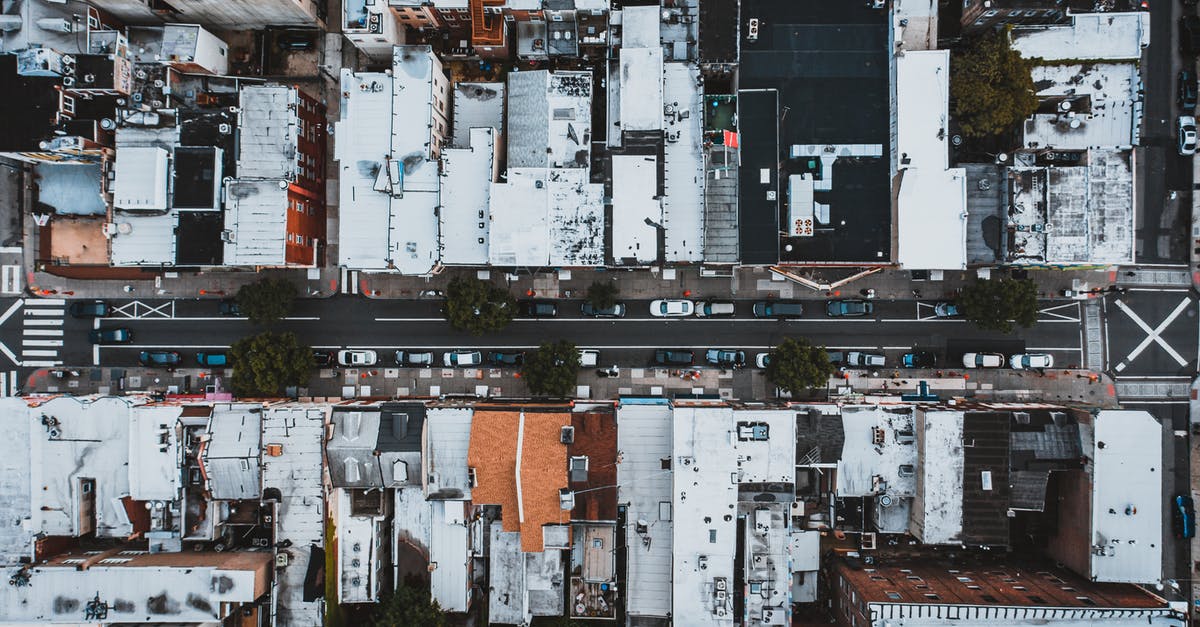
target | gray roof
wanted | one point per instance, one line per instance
(528, 118)
(231, 458)
(477, 105)
(356, 457)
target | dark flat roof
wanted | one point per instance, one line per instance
(198, 238)
(758, 217)
(718, 31)
(195, 177)
(28, 108)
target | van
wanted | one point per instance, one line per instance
(588, 358)
(781, 309)
(713, 308)
(211, 360)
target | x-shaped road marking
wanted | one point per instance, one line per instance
(1152, 335)
(138, 309)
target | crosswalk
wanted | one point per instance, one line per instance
(9, 385)
(349, 282)
(42, 332)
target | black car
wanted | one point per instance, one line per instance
(616, 311)
(89, 309)
(669, 357)
(506, 358)
(725, 358)
(779, 309)
(849, 307)
(919, 359)
(1189, 34)
(159, 358)
(229, 307)
(1185, 90)
(322, 358)
(111, 336)
(538, 308)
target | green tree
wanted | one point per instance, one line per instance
(265, 364)
(603, 294)
(478, 306)
(990, 85)
(409, 605)
(552, 370)
(266, 300)
(996, 304)
(796, 365)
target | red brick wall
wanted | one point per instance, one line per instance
(306, 195)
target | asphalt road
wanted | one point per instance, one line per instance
(189, 326)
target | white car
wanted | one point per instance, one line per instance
(1028, 361)
(983, 360)
(357, 358)
(462, 359)
(1185, 125)
(589, 357)
(762, 360)
(673, 308)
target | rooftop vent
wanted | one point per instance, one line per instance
(567, 435)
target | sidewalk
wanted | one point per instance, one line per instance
(310, 283)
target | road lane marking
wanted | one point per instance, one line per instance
(1152, 335)
(12, 383)
(164, 346)
(12, 280)
(44, 312)
(41, 342)
(95, 354)
(42, 364)
(38, 353)
(43, 332)
(45, 302)
(212, 319)
(42, 322)
(1074, 349)
(11, 310)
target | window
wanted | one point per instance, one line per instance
(1037, 599)
(74, 560)
(895, 596)
(964, 579)
(115, 560)
(989, 598)
(1085, 601)
(933, 597)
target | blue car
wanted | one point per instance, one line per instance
(1183, 515)
(849, 307)
(212, 359)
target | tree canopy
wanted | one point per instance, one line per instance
(997, 304)
(265, 364)
(266, 300)
(796, 366)
(477, 306)
(990, 85)
(409, 605)
(552, 370)
(603, 294)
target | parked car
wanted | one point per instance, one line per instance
(1185, 90)
(671, 357)
(1031, 361)
(212, 360)
(616, 311)
(713, 308)
(836, 358)
(918, 359)
(1183, 516)
(111, 336)
(538, 308)
(762, 360)
(849, 308)
(779, 309)
(856, 359)
(506, 358)
(229, 307)
(1189, 34)
(1185, 126)
(589, 357)
(946, 310)
(323, 358)
(671, 308)
(89, 309)
(414, 359)
(462, 359)
(159, 358)
(982, 360)
(725, 358)
(357, 358)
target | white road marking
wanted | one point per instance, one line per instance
(1152, 335)
(41, 322)
(45, 302)
(13, 384)
(38, 353)
(9, 354)
(163, 346)
(42, 364)
(43, 332)
(1071, 349)
(95, 354)
(41, 342)
(44, 312)
(11, 310)
(12, 280)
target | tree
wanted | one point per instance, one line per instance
(796, 365)
(603, 294)
(265, 364)
(996, 304)
(477, 306)
(409, 605)
(990, 85)
(266, 300)
(552, 370)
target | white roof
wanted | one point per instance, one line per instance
(231, 455)
(683, 161)
(1115, 102)
(861, 459)
(141, 178)
(549, 119)
(256, 214)
(923, 109)
(640, 26)
(636, 208)
(467, 176)
(642, 87)
(915, 23)
(1127, 473)
(507, 598)
(15, 475)
(937, 514)
(268, 123)
(144, 240)
(476, 105)
(447, 440)
(1090, 36)
(643, 441)
(772, 460)
(449, 549)
(704, 493)
(545, 217)
(356, 543)
(153, 450)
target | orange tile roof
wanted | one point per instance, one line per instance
(493, 455)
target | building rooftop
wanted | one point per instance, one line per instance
(1090, 36)
(1126, 516)
(449, 548)
(467, 178)
(595, 438)
(154, 453)
(231, 455)
(546, 217)
(641, 71)
(683, 165)
(447, 441)
(637, 210)
(256, 218)
(375, 447)
(268, 127)
(477, 105)
(878, 441)
(549, 119)
(1094, 105)
(719, 31)
(937, 513)
(644, 478)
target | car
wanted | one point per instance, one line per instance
(918, 359)
(673, 357)
(1031, 361)
(462, 359)
(1185, 127)
(762, 360)
(323, 358)
(671, 308)
(1185, 90)
(778, 309)
(357, 358)
(849, 308)
(1183, 516)
(856, 359)
(159, 358)
(506, 358)
(616, 311)
(1189, 34)
(229, 307)
(713, 308)
(946, 310)
(982, 360)
(589, 357)
(725, 357)
(836, 358)
(88, 309)
(538, 308)
(212, 359)
(414, 359)
(111, 336)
